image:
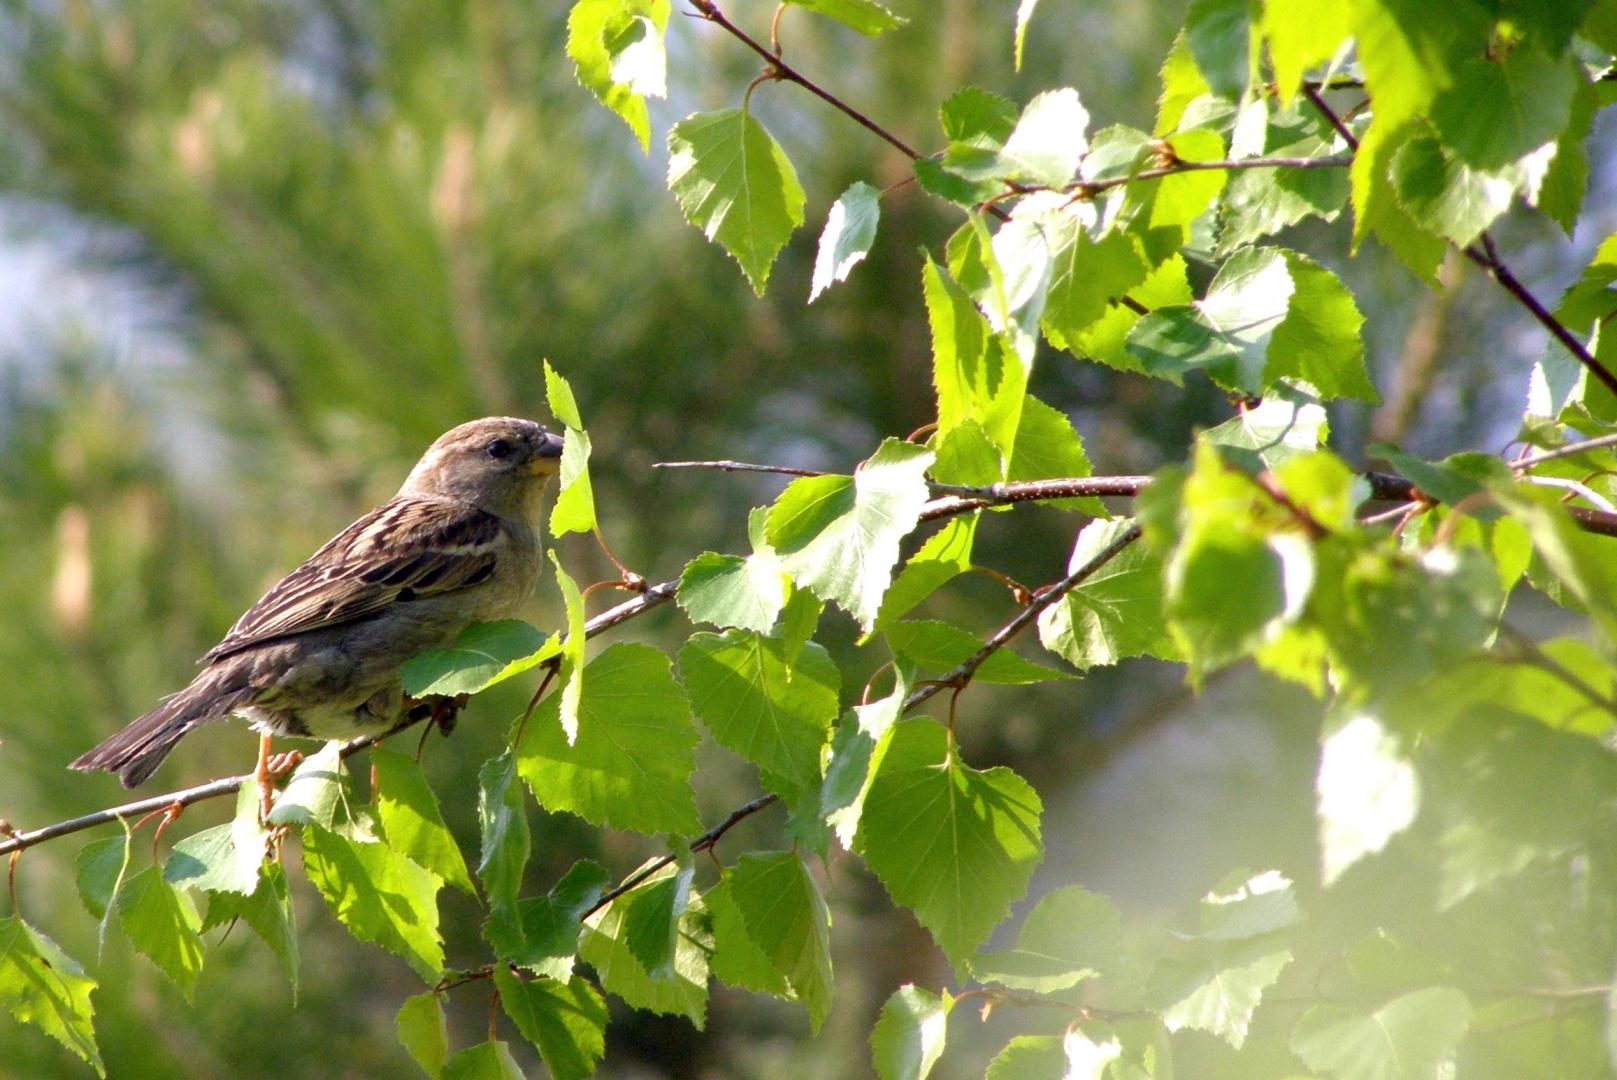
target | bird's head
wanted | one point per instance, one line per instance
(498, 463)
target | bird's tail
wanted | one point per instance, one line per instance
(135, 752)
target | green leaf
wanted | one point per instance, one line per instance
(1105, 341)
(315, 794)
(1249, 907)
(1114, 613)
(1413, 1037)
(839, 536)
(1378, 209)
(857, 752)
(1501, 109)
(101, 866)
(737, 959)
(909, 1035)
(1231, 581)
(43, 986)
(268, 910)
(485, 1061)
(1560, 195)
(728, 590)
(1044, 148)
(1367, 792)
(1219, 34)
(945, 555)
(571, 672)
(482, 655)
(1088, 274)
(940, 646)
(603, 947)
(1071, 935)
(850, 229)
(543, 928)
(504, 823)
(734, 182)
(575, 503)
(410, 815)
(865, 16)
(631, 766)
(617, 49)
(954, 845)
(1450, 198)
(651, 924)
(1400, 619)
(1030, 1057)
(775, 716)
(799, 620)
(225, 857)
(1024, 15)
(1218, 991)
(1269, 314)
(565, 1020)
(1301, 35)
(786, 917)
(421, 1029)
(1047, 448)
(965, 455)
(1287, 423)
(976, 377)
(1514, 792)
(163, 925)
(972, 114)
(379, 895)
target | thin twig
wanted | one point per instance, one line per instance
(1487, 256)
(705, 842)
(1574, 487)
(735, 466)
(1094, 187)
(213, 789)
(1044, 598)
(1569, 450)
(1312, 94)
(710, 11)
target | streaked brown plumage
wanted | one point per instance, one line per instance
(319, 653)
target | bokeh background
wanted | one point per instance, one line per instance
(255, 256)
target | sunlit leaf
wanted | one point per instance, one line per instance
(734, 182)
(909, 1035)
(850, 229)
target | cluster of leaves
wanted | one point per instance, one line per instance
(1483, 753)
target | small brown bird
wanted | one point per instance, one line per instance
(319, 654)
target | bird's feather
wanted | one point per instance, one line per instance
(406, 549)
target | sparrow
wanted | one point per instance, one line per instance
(318, 655)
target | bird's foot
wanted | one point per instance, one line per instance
(271, 770)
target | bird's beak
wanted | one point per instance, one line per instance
(547, 456)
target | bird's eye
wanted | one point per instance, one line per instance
(498, 449)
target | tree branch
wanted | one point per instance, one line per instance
(1044, 598)
(782, 70)
(959, 500)
(1486, 255)
(1337, 161)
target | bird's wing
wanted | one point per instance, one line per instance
(406, 549)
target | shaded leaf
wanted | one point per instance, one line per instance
(953, 844)
(565, 1020)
